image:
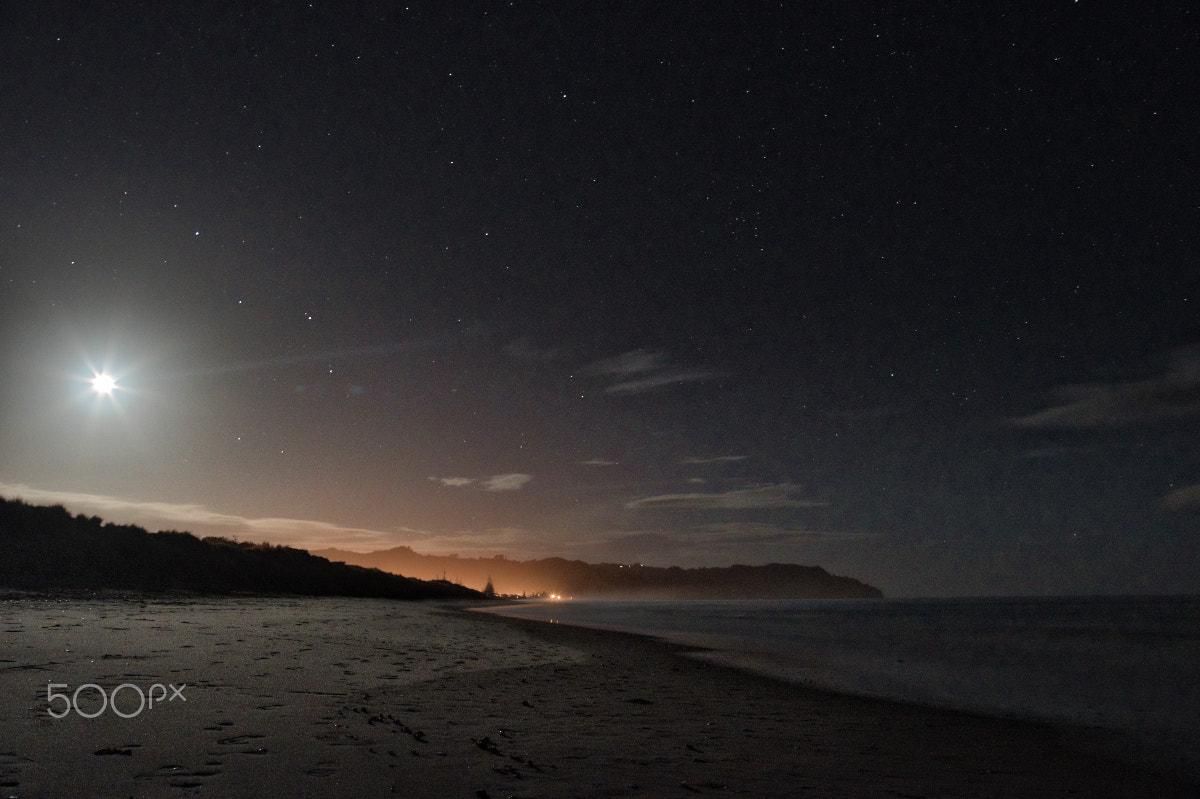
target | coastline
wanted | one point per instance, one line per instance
(868, 746)
(340, 697)
(1117, 672)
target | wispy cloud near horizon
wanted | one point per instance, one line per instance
(1186, 498)
(201, 521)
(779, 495)
(641, 370)
(454, 482)
(668, 378)
(628, 363)
(1171, 396)
(497, 482)
(723, 541)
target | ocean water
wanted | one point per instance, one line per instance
(1127, 666)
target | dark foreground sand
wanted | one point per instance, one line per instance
(358, 698)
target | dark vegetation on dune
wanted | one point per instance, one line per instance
(580, 579)
(46, 548)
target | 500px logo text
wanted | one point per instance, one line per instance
(146, 700)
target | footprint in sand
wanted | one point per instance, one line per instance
(322, 770)
(8, 763)
(238, 740)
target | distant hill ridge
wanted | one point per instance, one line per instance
(579, 579)
(46, 548)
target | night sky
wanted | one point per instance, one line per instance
(907, 290)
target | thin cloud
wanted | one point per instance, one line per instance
(780, 495)
(299, 533)
(198, 519)
(629, 363)
(506, 482)
(718, 459)
(639, 371)
(454, 482)
(1172, 396)
(1187, 498)
(598, 463)
(661, 380)
(497, 482)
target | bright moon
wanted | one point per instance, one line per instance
(104, 384)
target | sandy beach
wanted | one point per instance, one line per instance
(359, 697)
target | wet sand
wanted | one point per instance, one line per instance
(359, 697)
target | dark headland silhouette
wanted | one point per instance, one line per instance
(579, 579)
(47, 549)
